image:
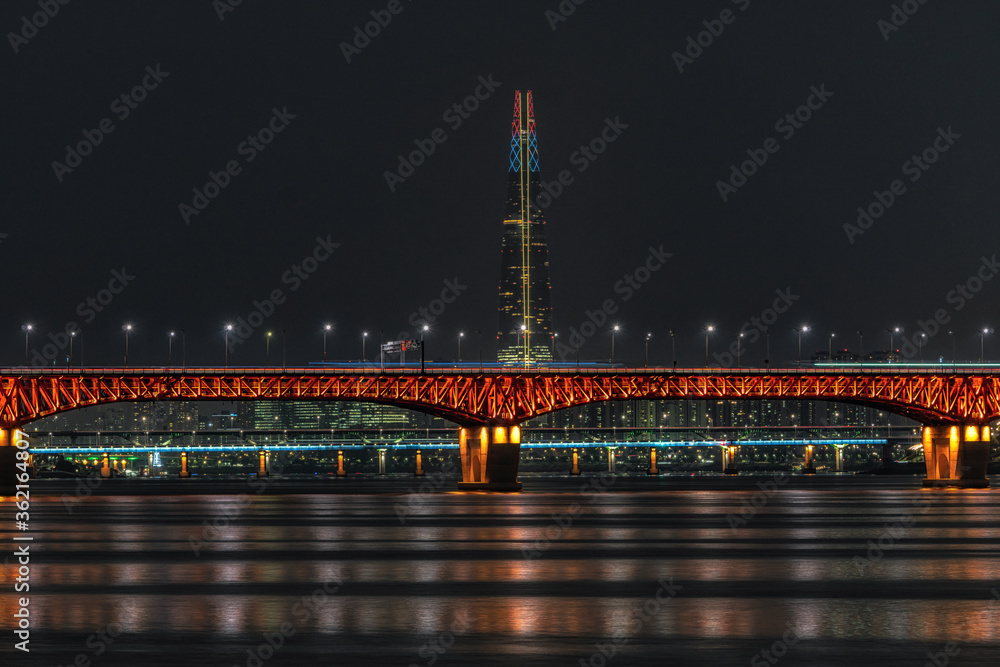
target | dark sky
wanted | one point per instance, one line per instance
(656, 184)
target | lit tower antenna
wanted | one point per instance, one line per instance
(525, 305)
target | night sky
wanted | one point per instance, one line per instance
(888, 94)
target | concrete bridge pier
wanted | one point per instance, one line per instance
(340, 464)
(611, 460)
(575, 470)
(381, 462)
(490, 456)
(419, 470)
(652, 462)
(262, 469)
(184, 466)
(839, 451)
(105, 465)
(809, 467)
(9, 441)
(729, 460)
(957, 455)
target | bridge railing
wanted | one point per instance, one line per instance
(274, 371)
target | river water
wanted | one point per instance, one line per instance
(603, 570)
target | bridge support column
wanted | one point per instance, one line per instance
(957, 455)
(652, 462)
(809, 467)
(105, 466)
(340, 464)
(262, 470)
(575, 470)
(490, 457)
(381, 462)
(839, 453)
(184, 465)
(611, 460)
(10, 444)
(419, 471)
(729, 460)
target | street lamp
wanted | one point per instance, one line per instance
(229, 327)
(422, 331)
(982, 337)
(920, 344)
(27, 329)
(614, 330)
(709, 329)
(364, 339)
(861, 346)
(673, 349)
(646, 362)
(953, 346)
(170, 348)
(267, 348)
(127, 329)
(72, 337)
(892, 332)
(552, 351)
(801, 330)
(183, 350)
(830, 351)
(739, 350)
(326, 330)
(461, 335)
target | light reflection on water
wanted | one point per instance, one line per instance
(129, 560)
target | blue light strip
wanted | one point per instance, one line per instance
(432, 446)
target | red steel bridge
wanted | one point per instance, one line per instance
(954, 405)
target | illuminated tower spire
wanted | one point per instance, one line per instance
(525, 329)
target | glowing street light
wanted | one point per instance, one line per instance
(982, 338)
(127, 329)
(170, 348)
(461, 335)
(229, 327)
(364, 339)
(422, 332)
(614, 330)
(646, 362)
(326, 330)
(267, 348)
(739, 350)
(892, 332)
(27, 329)
(800, 331)
(920, 344)
(709, 329)
(832, 336)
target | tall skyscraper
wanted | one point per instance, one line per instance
(525, 333)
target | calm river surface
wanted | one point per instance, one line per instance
(669, 571)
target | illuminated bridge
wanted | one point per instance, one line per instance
(954, 405)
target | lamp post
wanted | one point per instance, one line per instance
(709, 329)
(801, 330)
(767, 348)
(892, 332)
(830, 351)
(183, 349)
(920, 344)
(364, 339)
(229, 327)
(326, 330)
(461, 335)
(954, 345)
(127, 329)
(739, 350)
(267, 348)
(27, 329)
(552, 348)
(982, 343)
(72, 337)
(614, 330)
(424, 329)
(673, 349)
(170, 348)
(645, 363)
